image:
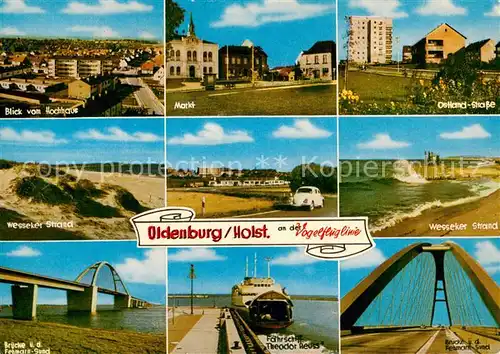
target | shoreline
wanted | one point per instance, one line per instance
(483, 210)
(61, 338)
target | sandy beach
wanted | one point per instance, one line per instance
(485, 210)
(63, 339)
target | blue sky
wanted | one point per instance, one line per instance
(413, 19)
(83, 18)
(82, 140)
(408, 138)
(218, 269)
(283, 30)
(143, 271)
(243, 142)
(485, 251)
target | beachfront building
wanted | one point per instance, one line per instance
(191, 57)
(79, 67)
(235, 61)
(482, 50)
(370, 39)
(318, 62)
(437, 45)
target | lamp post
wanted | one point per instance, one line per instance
(192, 276)
(397, 48)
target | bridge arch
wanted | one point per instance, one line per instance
(96, 268)
(356, 302)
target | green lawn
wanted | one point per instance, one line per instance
(315, 100)
(377, 88)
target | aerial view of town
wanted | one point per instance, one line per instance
(70, 63)
(419, 57)
(251, 58)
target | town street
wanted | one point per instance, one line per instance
(146, 97)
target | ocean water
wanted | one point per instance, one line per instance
(316, 321)
(390, 194)
(150, 320)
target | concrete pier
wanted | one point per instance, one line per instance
(83, 301)
(203, 337)
(24, 299)
(123, 301)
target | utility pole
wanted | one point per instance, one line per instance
(192, 276)
(227, 62)
(397, 48)
(253, 65)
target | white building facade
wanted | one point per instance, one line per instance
(189, 57)
(370, 39)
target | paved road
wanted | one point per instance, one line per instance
(329, 210)
(146, 97)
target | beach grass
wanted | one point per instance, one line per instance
(314, 100)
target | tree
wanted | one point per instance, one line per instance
(348, 45)
(322, 177)
(175, 16)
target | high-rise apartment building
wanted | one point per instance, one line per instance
(79, 67)
(370, 39)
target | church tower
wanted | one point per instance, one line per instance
(191, 32)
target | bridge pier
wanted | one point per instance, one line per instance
(24, 299)
(83, 301)
(123, 301)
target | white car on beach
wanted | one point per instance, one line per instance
(307, 196)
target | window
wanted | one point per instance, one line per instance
(233, 60)
(172, 53)
(172, 70)
(210, 70)
(178, 55)
(204, 57)
(325, 59)
(178, 70)
(210, 56)
(307, 60)
(238, 60)
(194, 56)
(245, 61)
(257, 61)
(189, 55)
(204, 70)
(316, 59)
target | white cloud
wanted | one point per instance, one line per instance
(475, 131)
(106, 7)
(488, 255)
(19, 7)
(24, 251)
(30, 136)
(95, 31)
(212, 134)
(195, 255)
(116, 134)
(387, 8)
(495, 11)
(11, 31)
(255, 14)
(372, 258)
(149, 270)
(441, 8)
(301, 129)
(383, 141)
(295, 257)
(146, 35)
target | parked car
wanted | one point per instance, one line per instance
(307, 196)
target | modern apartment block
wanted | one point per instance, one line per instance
(79, 67)
(370, 39)
(437, 45)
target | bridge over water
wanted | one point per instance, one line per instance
(81, 293)
(421, 298)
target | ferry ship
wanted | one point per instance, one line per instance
(262, 302)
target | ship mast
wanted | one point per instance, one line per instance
(268, 260)
(246, 268)
(255, 265)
